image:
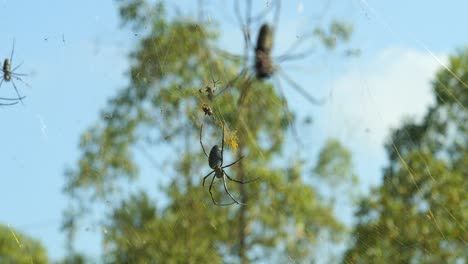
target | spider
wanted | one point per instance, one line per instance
(265, 65)
(10, 75)
(207, 110)
(210, 90)
(215, 160)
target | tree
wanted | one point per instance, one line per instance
(419, 213)
(16, 247)
(174, 60)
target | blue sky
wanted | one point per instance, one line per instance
(76, 55)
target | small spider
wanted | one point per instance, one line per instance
(210, 90)
(215, 160)
(207, 109)
(10, 75)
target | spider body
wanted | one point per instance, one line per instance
(263, 64)
(210, 92)
(9, 75)
(266, 66)
(207, 110)
(265, 39)
(215, 160)
(7, 70)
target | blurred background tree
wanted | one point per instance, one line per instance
(16, 247)
(419, 213)
(173, 70)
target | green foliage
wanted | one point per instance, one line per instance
(335, 163)
(162, 105)
(419, 213)
(135, 12)
(74, 259)
(137, 233)
(16, 247)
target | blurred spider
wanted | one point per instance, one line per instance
(207, 110)
(10, 75)
(265, 65)
(215, 160)
(210, 90)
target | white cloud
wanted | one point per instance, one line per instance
(300, 7)
(374, 97)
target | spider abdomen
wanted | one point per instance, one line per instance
(265, 39)
(6, 70)
(216, 157)
(263, 63)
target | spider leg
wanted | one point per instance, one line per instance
(3, 104)
(12, 52)
(204, 178)
(212, 198)
(242, 73)
(244, 27)
(18, 74)
(14, 69)
(287, 111)
(201, 128)
(295, 56)
(241, 182)
(14, 75)
(222, 147)
(264, 13)
(229, 165)
(19, 96)
(298, 88)
(8, 99)
(276, 16)
(11, 99)
(225, 188)
(211, 185)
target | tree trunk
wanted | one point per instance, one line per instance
(241, 172)
(242, 215)
(187, 221)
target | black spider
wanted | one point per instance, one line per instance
(10, 75)
(215, 160)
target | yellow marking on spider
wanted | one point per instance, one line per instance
(231, 139)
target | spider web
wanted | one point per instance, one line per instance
(361, 133)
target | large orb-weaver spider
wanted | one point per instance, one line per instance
(215, 160)
(265, 65)
(10, 75)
